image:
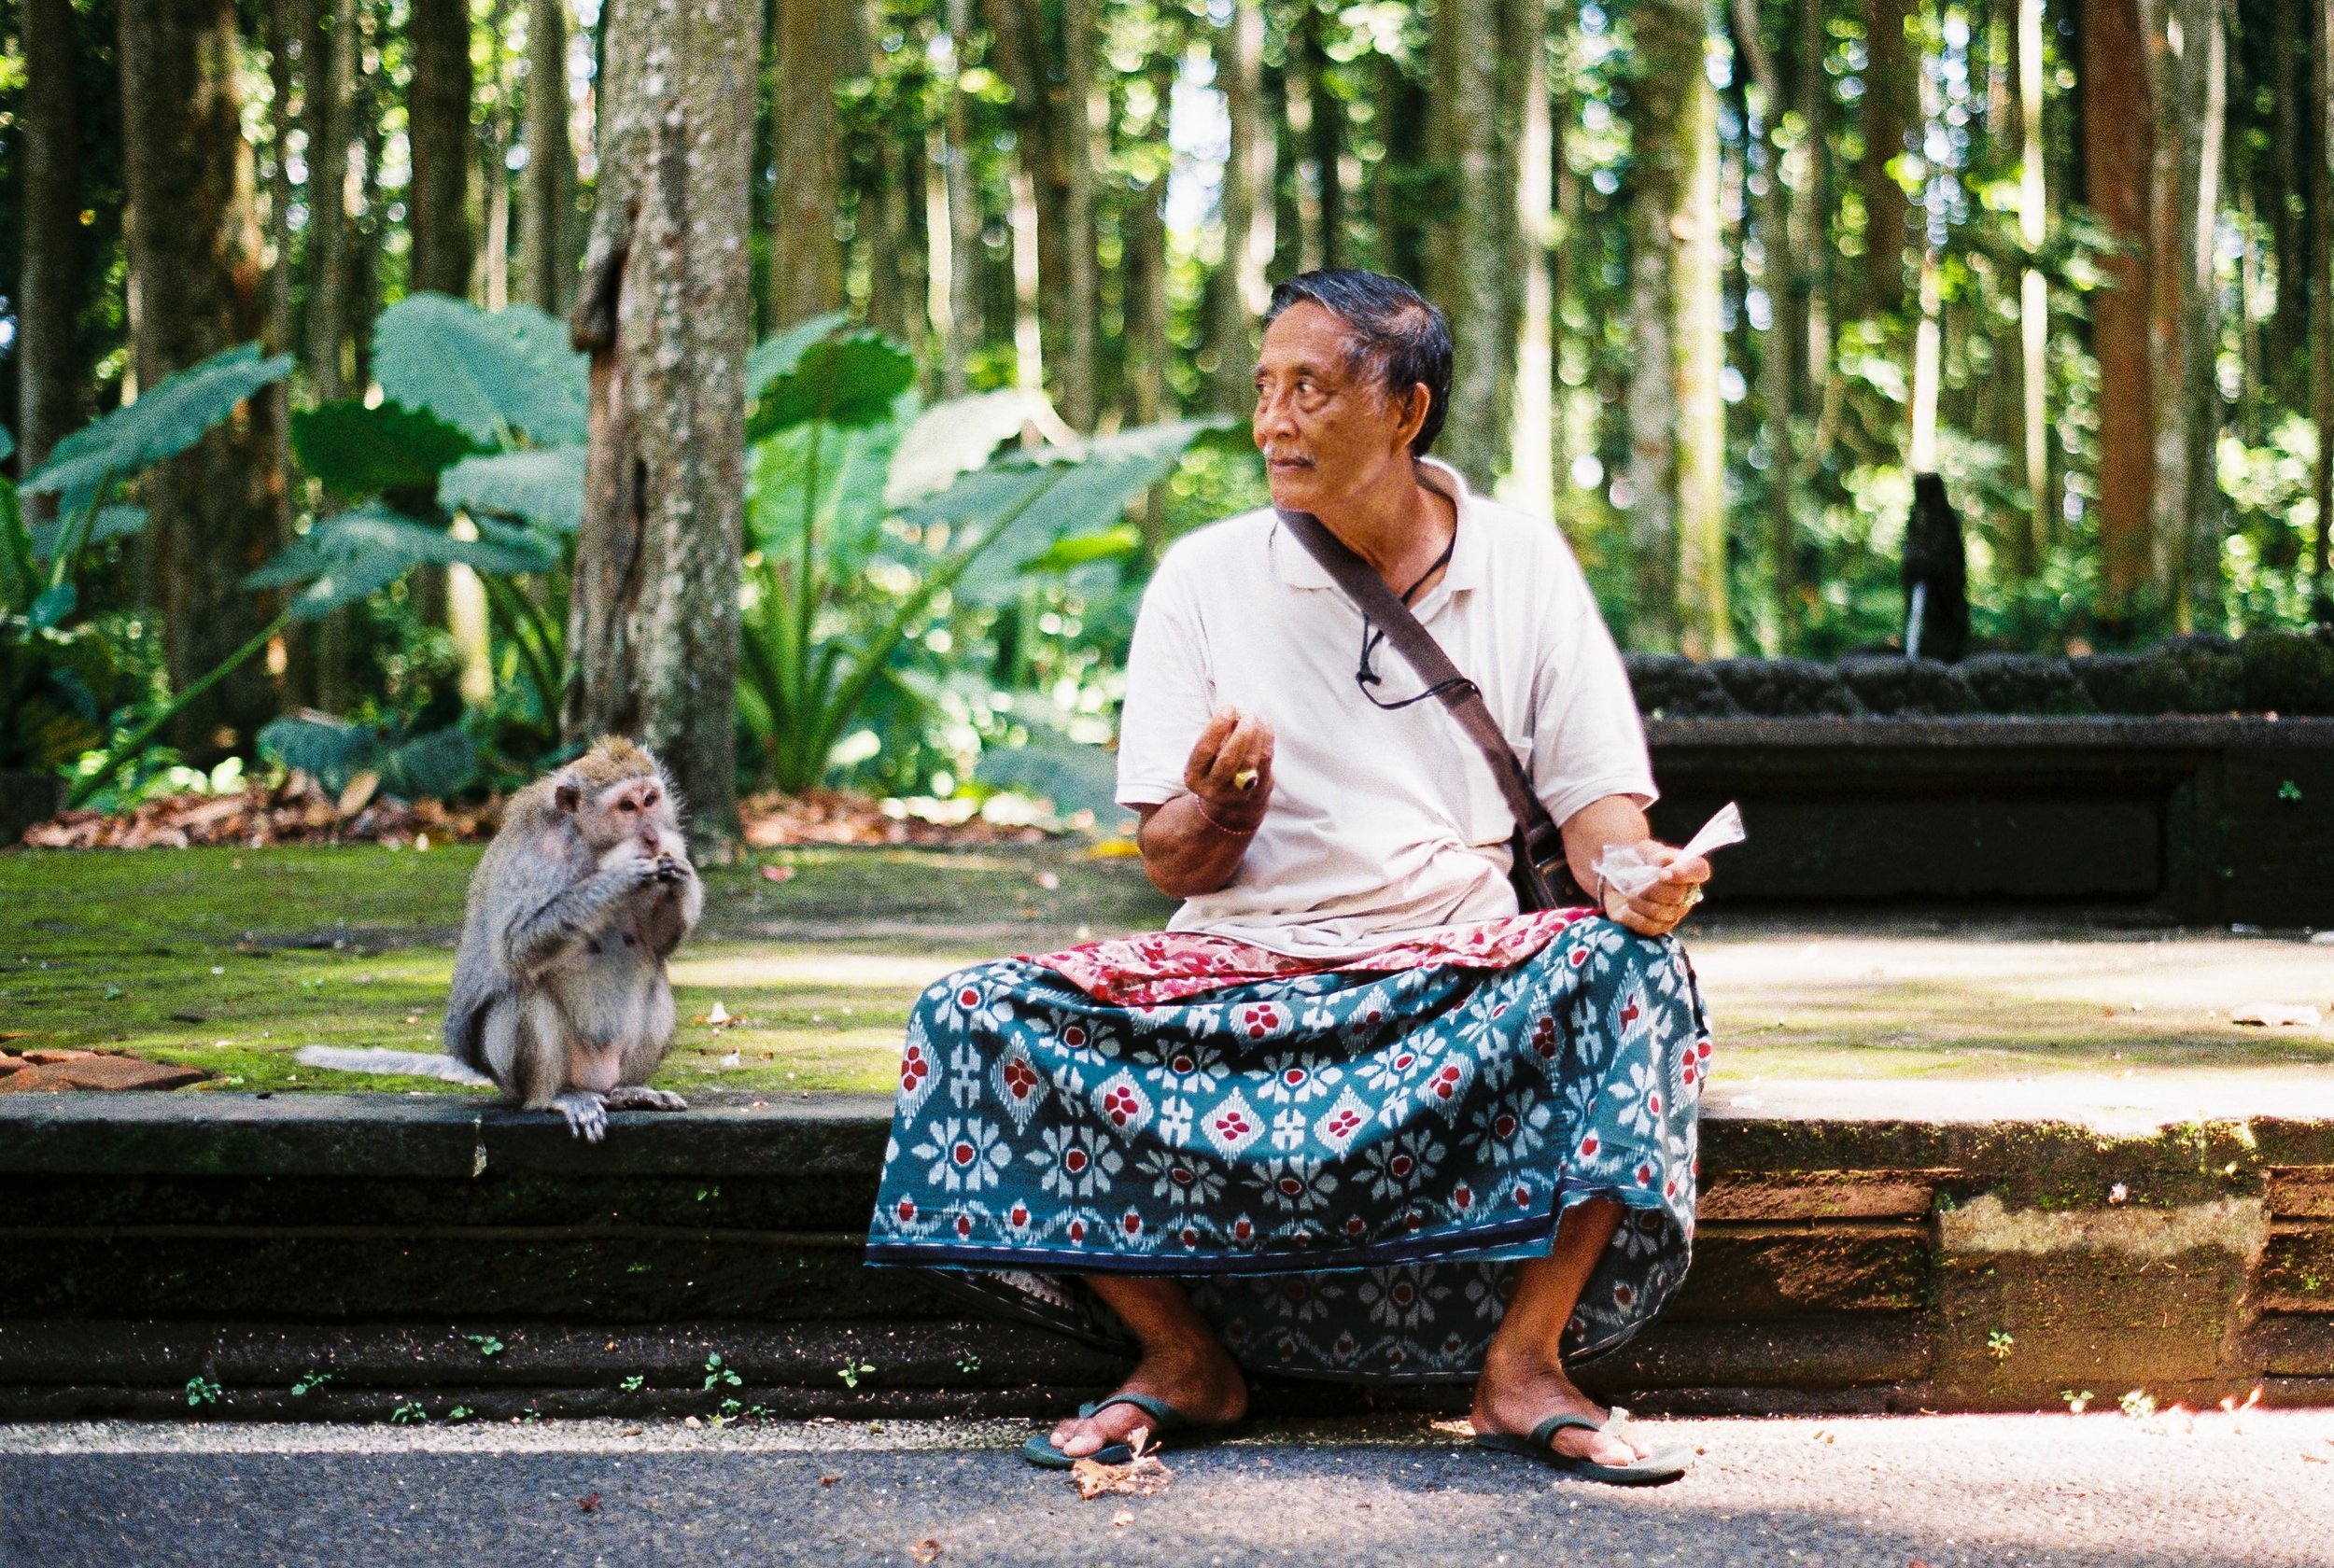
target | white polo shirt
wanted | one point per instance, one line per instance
(1383, 825)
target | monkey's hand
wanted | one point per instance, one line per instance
(587, 1114)
(640, 1097)
(671, 869)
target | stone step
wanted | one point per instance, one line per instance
(1940, 1258)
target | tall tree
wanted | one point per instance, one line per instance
(2119, 175)
(1677, 416)
(438, 135)
(218, 510)
(1242, 290)
(2186, 65)
(48, 395)
(547, 209)
(332, 192)
(813, 54)
(1780, 265)
(1531, 481)
(966, 328)
(665, 310)
(2034, 290)
(1473, 253)
(1891, 110)
(1073, 150)
(2322, 303)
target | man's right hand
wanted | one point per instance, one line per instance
(1230, 768)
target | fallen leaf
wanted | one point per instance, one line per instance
(1915, 1562)
(629, 1432)
(926, 1551)
(829, 1480)
(778, 873)
(358, 794)
(1456, 1427)
(1123, 1518)
(1141, 1476)
(589, 1502)
(2275, 1015)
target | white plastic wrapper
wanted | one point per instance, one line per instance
(1625, 868)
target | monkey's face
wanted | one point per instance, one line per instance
(636, 811)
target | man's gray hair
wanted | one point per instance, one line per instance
(1400, 338)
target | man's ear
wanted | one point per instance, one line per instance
(567, 797)
(1415, 407)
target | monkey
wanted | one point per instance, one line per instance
(560, 996)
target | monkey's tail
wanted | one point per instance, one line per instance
(409, 1064)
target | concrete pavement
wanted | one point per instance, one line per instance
(1947, 1491)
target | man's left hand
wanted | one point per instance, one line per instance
(1658, 910)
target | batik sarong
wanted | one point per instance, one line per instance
(1343, 1165)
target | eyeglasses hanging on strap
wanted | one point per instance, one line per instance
(1367, 675)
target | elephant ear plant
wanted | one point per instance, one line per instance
(863, 507)
(62, 685)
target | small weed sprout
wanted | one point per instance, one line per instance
(2076, 1402)
(1998, 1343)
(633, 1384)
(488, 1344)
(968, 1363)
(716, 1373)
(460, 1412)
(202, 1391)
(2139, 1404)
(309, 1381)
(852, 1373)
(408, 1414)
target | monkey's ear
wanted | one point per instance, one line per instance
(567, 797)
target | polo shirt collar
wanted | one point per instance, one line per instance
(1470, 557)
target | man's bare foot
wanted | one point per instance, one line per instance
(1200, 1380)
(1518, 1390)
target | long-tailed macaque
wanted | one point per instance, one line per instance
(559, 988)
(560, 996)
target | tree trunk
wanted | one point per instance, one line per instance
(1325, 138)
(1891, 102)
(1242, 291)
(490, 284)
(2118, 174)
(49, 403)
(218, 510)
(1531, 481)
(329, 199)
(665, 311)
(811, 58)
(2322, 298)
(1676, 418)
(1779, 276)
(1073, 147)
(966, 328)
(2187, 66)
(2296, 148)
(1473, 253)
(2034, 292)
(547, 210)
(438, 135)
(283, 320)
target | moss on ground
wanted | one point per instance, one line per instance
(231, 960)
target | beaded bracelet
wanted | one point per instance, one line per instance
(1200, 806)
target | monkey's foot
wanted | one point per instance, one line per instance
(587, 1114)
(640, 1097)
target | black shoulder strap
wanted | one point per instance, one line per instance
(1537, 840)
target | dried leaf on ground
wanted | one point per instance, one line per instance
(589, 1502)
(1456, 1426)
(828, 1481)
(2276, 1014)
(1141, 1476)
(1122, 1518)
(926, 1551)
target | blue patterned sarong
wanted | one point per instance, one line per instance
(1342, 1168)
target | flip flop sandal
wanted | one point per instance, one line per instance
(1169, 1429)
(1653, 1470)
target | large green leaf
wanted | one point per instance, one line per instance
(955, 437)
(848, 465)
(357, 451)
(169, 418)
(333, 751)
(545, 486)
(492, 375)
(344, 558)
(1018, 506)
(776, 357)
(847, 380)
(117, 522)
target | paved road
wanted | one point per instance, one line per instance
(1969, 1492)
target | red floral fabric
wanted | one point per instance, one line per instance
(1158, 967)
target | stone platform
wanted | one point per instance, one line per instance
(1977, 1244)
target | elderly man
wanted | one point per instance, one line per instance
(1353, 1114)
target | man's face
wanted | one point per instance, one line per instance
(1327, 434)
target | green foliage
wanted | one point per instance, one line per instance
(334, 753)
(355, 451)
(856, 533)
(544, 487)
(502, 378)
(168, 419)
(345, 557)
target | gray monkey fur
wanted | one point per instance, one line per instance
(560, 994)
